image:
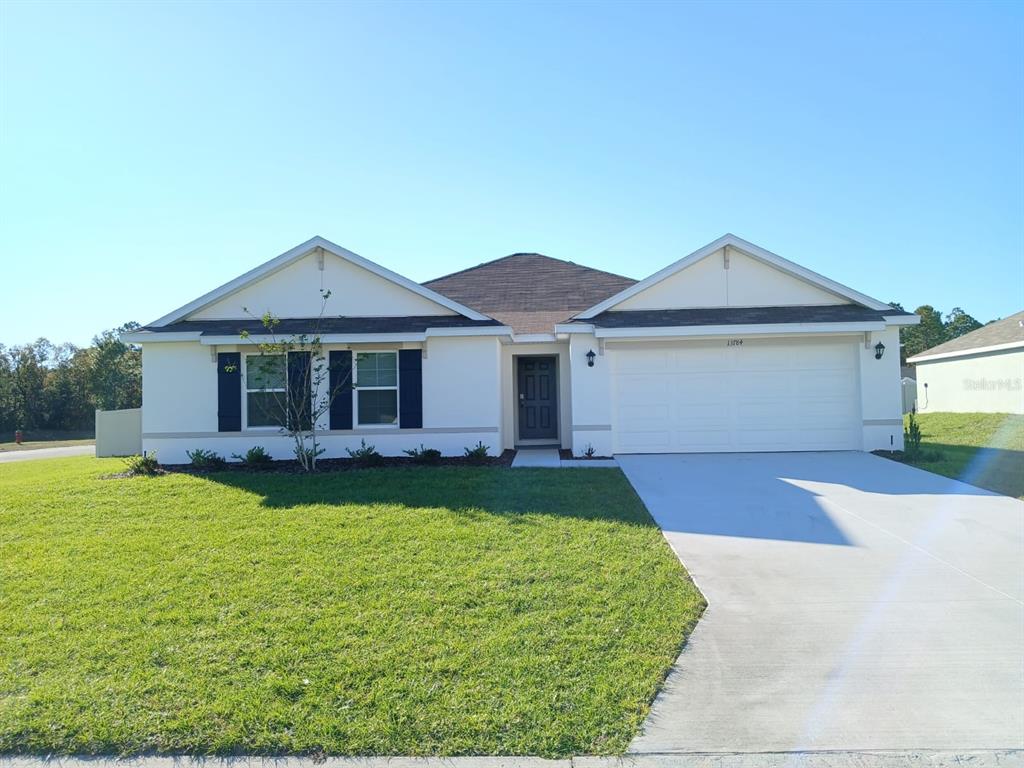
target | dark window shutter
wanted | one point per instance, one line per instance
(300, 389)
(410, 388)
(229, 392)
(340, 383)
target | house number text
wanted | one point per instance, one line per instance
(734, 342)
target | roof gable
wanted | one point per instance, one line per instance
(289, 286)
(730, 272)
(529, 291)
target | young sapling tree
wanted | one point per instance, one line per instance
(289, 382)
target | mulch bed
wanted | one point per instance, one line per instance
(565, 455)
(894, 455)
(292, 467)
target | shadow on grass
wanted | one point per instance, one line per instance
(995, 469)
(588, 494)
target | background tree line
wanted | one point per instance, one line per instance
(934, 329)
(57, 387)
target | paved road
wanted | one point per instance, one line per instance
(854, 604)
(47, 453)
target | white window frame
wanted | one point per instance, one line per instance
(246, 391)
(356, 389)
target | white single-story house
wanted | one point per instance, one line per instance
(979, 372)
(731, 348)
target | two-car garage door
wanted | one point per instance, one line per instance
(735, 395)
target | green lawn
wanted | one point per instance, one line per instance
(984, 449)
(391, 611)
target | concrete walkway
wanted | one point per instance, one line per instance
(47, 453)
(550, 459)
(854, 604)
(537, 457)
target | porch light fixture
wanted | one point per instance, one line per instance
(879, 350)
(590, 358)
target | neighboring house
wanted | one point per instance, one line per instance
(979, 372)
(729, 349)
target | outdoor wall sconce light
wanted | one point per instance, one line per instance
(590, 358)
(879, 350)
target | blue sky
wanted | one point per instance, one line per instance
(150, 152)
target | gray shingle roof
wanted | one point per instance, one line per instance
(667, 318)
(528, 291)
(1006, 331)
(293, 326)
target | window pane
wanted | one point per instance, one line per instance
(377, 369)
(378, 406)
(266, 409)
(265, 372)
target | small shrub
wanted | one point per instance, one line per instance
(203, 459)
(589, 452)
(423, 455)
(255, 458)
(912, 439)
(142, 465)
(478, 453)
(306, 456)
(365, 455)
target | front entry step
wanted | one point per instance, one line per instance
(537, 457)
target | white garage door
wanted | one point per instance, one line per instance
(735, 395)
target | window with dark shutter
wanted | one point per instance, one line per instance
(410, 391)
(340, 384)
(300, 390)
(229, 392)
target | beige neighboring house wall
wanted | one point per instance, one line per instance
(985, 383)
(979, 372)
(119, 433)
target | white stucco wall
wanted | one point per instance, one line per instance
(462, 384)
(468, 395)
(509, 399)
(881, 392)
(747, 282)
(461, 403)
(295, 292)
(179, 388)
(985, 383)
(591, 397)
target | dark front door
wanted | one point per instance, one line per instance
(537, 392)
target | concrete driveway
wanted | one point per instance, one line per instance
(854, 604)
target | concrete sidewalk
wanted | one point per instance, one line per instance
(974, 759)
(33, 454)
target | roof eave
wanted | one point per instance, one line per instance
(926, 357)
(148, 337)
(752, 329)
(761, 329)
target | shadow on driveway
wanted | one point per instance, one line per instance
(768, 495)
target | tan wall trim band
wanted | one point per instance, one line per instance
(883, 422)
(591, 427)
